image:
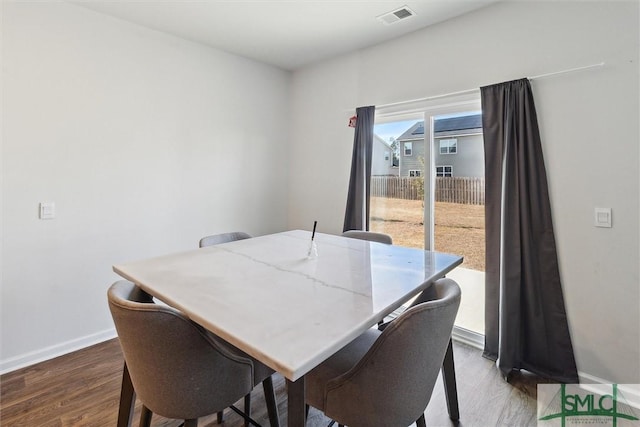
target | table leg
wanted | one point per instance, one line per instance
(296, 403)
(449, 379)
(127, 399)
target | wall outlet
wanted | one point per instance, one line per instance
(47, 210)
(603, 217)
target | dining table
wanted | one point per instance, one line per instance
(289, 301)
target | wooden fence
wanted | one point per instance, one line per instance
(464, 190)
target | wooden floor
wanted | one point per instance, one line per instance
(82, 389)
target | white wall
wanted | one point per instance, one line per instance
(144, 141)
(590, 132)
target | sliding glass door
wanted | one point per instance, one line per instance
(427, 191)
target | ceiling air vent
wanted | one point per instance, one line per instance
(397, 15)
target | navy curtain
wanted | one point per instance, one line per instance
(525, 319)
(357, 212)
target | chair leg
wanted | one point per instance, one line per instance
(420, 422)
(449, 380)
(220, 417)
(247, 409)
(127, 399)
(145, 417)
(272, 405)
(191, 423)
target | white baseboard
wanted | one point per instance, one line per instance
(593, 383)
(591, 379)
(33, 357)
(468, 337)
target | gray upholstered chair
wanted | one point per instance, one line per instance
(386, 378)
(369, 235)
(178, 369)
(217, 239)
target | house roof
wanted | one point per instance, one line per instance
(381, 141)
(414, 132)
(451, 124)
(458, 123)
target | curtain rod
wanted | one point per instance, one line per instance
(463, 92)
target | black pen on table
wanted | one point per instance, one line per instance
(313, 251)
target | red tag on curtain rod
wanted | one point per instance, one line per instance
(352, 121)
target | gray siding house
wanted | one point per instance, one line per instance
(458, 148)
(412, 150)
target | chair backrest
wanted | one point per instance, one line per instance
(177, 371)
(369, 235)
(393, 382)
(217, 239)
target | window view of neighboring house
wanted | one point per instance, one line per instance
(457, 147)
(444, 171)
(382, 158)
(408, 148)
(411, 144)
(448, 146)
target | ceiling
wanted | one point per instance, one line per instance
(285, 33)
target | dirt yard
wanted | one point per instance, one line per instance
(459, 229)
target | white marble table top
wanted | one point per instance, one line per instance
(267, 298)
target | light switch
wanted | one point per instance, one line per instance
(603, 217)
(47, 210)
